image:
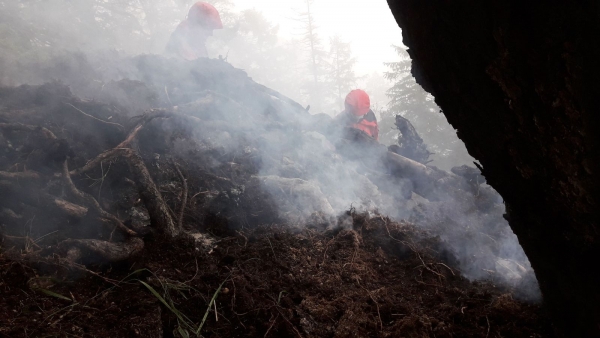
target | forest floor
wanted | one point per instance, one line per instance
(266, 282)
(89, 193)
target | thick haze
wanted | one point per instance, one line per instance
(265, 39)
(369, 26)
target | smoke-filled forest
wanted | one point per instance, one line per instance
(165, 177)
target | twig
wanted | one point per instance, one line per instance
(216, 313)
(111, 153)
(420, 282)
(46, 235)
(24, 175)
(103, 177)
(399, 241)
(93, 117)
(184, 196)
(168, 98)
(292, 325)
(442, 264)
(488, 330)
(195, 274)
(428, 268)
(244, 237)
(270, 327)
(376, 304)
(107, 155)
(271, 245)
(198, 193)
(325, 251)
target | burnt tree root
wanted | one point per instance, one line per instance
(44, 191)
(87, 250)
(90, 201)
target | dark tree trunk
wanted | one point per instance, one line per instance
(519, 81)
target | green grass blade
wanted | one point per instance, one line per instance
(214, 297)
(183, 332)
(181, 318)
(53, 294)
(157, 295)
(280, 294)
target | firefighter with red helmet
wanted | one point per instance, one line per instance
(358, 114)
(188, 41)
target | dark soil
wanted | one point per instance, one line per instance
(312, 283)
(367, 277)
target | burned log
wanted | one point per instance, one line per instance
(410, 144)
(426, 181)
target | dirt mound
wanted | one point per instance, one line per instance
(377, 279)
(120, 219)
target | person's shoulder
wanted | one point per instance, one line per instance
(183, 26)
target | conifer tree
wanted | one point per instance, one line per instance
(316, 59)
(408, 99)
(341, 77)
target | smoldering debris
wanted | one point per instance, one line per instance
(200, 148)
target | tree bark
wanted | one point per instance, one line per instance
(519, 81)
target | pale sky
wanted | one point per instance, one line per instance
(368, 25)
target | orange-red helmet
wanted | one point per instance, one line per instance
(206, 15)
(360, 102)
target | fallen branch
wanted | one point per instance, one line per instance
(184, 196)
(92, 203)
(93, 117)
(111, 153)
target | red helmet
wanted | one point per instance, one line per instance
(359, 100)
(206, 15)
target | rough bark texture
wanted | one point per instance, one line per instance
(159, 213)
(97, 250)
(519, 81)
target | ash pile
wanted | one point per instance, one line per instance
(94, 165)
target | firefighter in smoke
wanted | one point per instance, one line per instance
(358, 114)
(188, 41)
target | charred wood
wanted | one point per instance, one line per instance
(29, 128)
(152, 198)
(410, 144)
(93, 250)
(91, 202)
(40, 199)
